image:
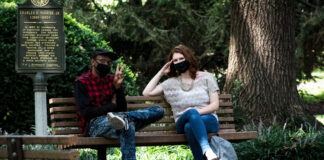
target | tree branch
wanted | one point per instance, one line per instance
(308, 4)
(99, 8)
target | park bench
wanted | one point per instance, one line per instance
(63, 122)
(15, 147)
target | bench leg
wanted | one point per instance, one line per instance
(15, 149)
(102, 153)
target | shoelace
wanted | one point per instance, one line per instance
(126, 123)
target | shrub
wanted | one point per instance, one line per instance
(278, 142)
(17, 96)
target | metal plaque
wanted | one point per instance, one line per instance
(40, 37)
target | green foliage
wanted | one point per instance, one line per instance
(144, 33)
(320, 118)
(312, 90)
(310, 98)
(17, 96)
(310, 40)
(9, 1)
(175, 152)
(277, 142)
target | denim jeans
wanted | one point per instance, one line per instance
(196, 127)
(100, 127)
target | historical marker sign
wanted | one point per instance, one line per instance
(40, 38)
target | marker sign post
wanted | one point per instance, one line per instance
(40, 51)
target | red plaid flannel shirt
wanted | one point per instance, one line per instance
(100, 92)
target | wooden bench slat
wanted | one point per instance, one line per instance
(225, 104)
(61, 100)
(225, 96)
(66, 131)
(166, 113)
(3, 153)
(50, 139)
(143, 98)
(144, 139)
(226, 126)
(64, 116)
(61, 154)
(226, 130)
(63, 108)
(141, 139)
(143, 105)
(172, 128)
(154, 128)
(74, 123)
(65, 124)
(223, 111)
(171, 120)
(236, 136)
(128, 98)
(165, 105)
(166, 120)
(226, 119)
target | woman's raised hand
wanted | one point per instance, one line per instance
(166, 68)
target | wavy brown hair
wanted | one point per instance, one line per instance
(188, 55)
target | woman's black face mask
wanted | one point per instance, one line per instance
(103, 69)
(182, 66)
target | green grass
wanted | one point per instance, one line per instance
(320, 118)
(174, 152)
(313, 90)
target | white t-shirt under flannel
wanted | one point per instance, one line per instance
(199, 96)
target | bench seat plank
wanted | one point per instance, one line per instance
(35, 154)
(62, 154)
(32, 139)
(14, 145)
(154, 139)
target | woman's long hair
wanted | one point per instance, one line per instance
(189, 56)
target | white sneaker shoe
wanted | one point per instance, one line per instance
(116, 121)
(210, 155)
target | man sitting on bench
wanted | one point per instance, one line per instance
(102, 105)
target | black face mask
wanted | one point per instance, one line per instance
(182, 66)
(103, 69)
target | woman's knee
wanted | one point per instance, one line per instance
(193, 114)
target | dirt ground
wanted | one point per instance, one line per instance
(315, 108)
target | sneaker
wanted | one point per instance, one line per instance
(117, 120)
(210, 155)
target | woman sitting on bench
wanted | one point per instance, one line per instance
(193, 96)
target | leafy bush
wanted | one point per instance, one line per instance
(17, 96)
(174, 152)
(278, 142)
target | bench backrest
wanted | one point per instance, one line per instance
(64, 118)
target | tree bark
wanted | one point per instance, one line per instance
(262, 58)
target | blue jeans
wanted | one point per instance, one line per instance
(100, 127)
(196, 127)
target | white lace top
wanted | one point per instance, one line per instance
(198, 96)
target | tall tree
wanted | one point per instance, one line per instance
(145, 33)
(262, 58)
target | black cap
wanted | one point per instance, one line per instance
(100, 51)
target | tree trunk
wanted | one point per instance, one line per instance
(262, 58)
